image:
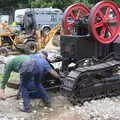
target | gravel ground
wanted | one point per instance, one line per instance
(61, 109)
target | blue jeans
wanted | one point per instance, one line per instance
(27, 83)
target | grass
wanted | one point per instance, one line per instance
(13, 76)
(1, 76)
(14, 79)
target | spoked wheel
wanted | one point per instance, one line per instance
(73, 13)
(104, 21)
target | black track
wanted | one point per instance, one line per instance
(92, 82)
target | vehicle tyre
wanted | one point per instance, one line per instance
(46, 30)
(30, 47)
(4, 51)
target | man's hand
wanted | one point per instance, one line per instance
(2, 94)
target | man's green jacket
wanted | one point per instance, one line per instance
(13, 65)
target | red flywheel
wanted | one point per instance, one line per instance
(72, 13)
(104, 21)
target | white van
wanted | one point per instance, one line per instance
(45, 18)
(18, 16)
(4, 19)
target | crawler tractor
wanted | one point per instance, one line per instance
(91, 44)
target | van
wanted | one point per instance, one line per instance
(46, 18)
(18, 16)
(4, 19)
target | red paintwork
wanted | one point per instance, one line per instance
(104, 27)
(72, 13)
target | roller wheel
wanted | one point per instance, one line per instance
(46, 30)
(103, 21)
(30, 47)
(72, 13)
(4, 51)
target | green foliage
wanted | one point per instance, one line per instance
(48, 3)
(117, 2)
(11, 5)
(13, 76)
(41, 4)
(1, 75)
(61, 4)
(87, 3)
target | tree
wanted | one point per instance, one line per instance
(117, 2)
(10, 5)
(38, 4)
(5, 5)
(61, 4)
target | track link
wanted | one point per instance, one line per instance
(92, 82)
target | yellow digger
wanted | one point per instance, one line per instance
(14, 43)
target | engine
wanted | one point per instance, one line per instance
(91, 42)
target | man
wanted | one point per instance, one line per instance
(33, 70)
(18, 64)
(13, 65)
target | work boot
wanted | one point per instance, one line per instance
(47, 104)
(25, 109)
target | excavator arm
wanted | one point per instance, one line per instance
(52, 33)
(5, 30)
